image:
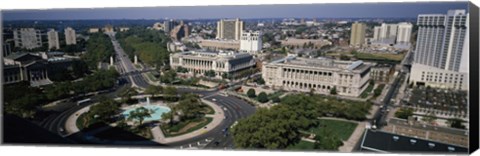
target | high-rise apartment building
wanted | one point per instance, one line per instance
(377, 30)
(230, 29)
(404, 33)
(388, 31)
(28, 38)
(357, 35)
(251, 42)
(442, 39)
(52, 37)
(441, 53)
(70, 36)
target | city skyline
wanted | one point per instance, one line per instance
(354, 10)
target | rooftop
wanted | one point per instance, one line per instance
(323, 62)
(385, 142)
(403, 122)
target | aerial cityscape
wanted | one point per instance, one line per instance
(383, 79)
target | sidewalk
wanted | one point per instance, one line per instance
(356, 136)
(217, 119)
(71, 124)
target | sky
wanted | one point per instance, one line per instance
(349, 10)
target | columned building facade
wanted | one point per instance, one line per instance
(197, 63)
(320, 75)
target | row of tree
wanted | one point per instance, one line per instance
(99, 48)
(149, 45)
(22, 100)
(279, 126)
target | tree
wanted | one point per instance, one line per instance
(251, 93)
(152, 90)
(104, 110)
(429, 118)
(127, 93)
(456, 123)
(168, 76)
(210, 73)
(139, 114)
(276, 99)
(260, 81)
(182, 70)
(333, 91)
(262, 97)
(327, 141)
(404, 113)
(170, 93)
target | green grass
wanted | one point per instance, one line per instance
(379, 56)
(342, 129)
(180, 125)
(367, 91)
(302, 145)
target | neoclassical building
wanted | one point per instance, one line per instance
(198, 62)
(321, 74)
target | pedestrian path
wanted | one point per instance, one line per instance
(356, 136)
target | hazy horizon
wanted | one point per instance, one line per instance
(348, 10)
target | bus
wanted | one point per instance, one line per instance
(84, 101)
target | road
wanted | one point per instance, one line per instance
(379, 119)
(126, 65)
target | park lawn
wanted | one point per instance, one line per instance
(342, 129)
(185, 127)
(302, 145)
(380, 56)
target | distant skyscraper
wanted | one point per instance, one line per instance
(168, 25)
(53, 42)
(180, 31)
(70, 36)
(404, 33)
(229, 29)
(27, 38)
(440, 40)
(388, 31)
(251, 42)
(357, 35)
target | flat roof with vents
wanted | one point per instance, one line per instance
(385, 142)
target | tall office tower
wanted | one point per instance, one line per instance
(404, 33)
(70, 36)
(168, 25)
(230, 29)
(388, 31)
(53, 42)
(357, 36)
(376, 33)
(440, 40)
(27, 38)
(251, 42)
(441, 52)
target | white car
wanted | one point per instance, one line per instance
(214, 99)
